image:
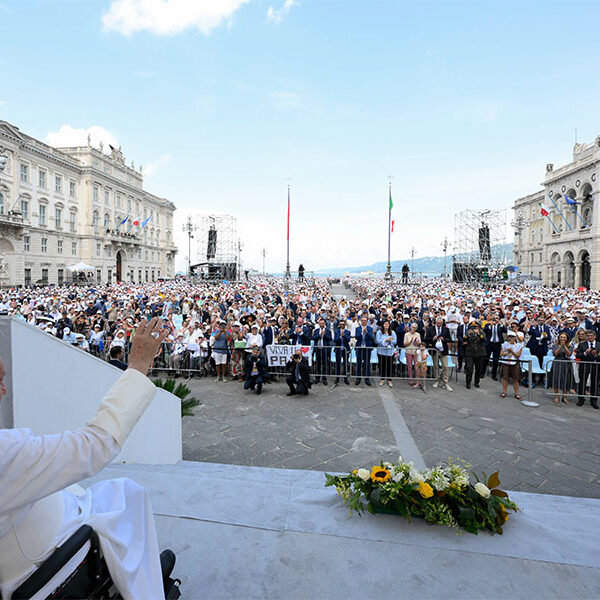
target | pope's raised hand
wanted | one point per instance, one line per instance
(148, 337)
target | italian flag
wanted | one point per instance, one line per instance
(391, 203)
(544, 210)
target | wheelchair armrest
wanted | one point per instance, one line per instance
(55, 562)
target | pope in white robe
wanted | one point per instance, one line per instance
(37, 513)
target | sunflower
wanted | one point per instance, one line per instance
(425, 490)
(380, 474)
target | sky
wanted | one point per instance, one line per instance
(225, 102)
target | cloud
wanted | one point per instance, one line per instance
(285, 100)
(154, 166)
(68, 135)
(276, 16)
(168, 17)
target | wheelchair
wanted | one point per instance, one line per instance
(76, 570)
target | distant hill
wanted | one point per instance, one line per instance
(430, 265)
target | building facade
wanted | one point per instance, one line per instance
(563, 248)
(63, 206)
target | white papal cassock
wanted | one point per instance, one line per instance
(37, 514)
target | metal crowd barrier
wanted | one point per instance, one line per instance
(572, 378)
(366, 362)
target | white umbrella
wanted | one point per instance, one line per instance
(81, 266)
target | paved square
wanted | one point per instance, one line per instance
(550, 449)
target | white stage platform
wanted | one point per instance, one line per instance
(249, 532)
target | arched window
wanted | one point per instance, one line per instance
(96, 221)
(106, 221)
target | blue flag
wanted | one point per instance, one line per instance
(570, 201)
(145, 222)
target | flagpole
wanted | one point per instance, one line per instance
(287, 264)
(388, 268)
(560, 212)
(543, 208)
(574, 207)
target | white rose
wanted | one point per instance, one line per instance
(482, 489)
(364, 474)
(416, 477)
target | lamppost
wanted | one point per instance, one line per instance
(520, 224)
(445, 249)
(412, 260)
(264, 254)
(189, 227)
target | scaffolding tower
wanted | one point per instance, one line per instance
(479, 252)
(218, 248)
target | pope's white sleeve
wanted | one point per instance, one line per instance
(124, 404)
(33, 467)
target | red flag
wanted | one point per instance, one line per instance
(393, 226)
(545, 212)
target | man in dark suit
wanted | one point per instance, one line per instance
(587, 355)
(437, 337)
(270, 332)
(494, 338)
(341, 342)
(298, 379)
(255, 371)
(301, 333)
(116, 358)
(322, 340)
(402, 328)
(570, 328)
(539, 338)
(365, 342)
(461, 334)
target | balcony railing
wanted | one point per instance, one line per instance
(12, 218)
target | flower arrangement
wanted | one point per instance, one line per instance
(443, 495)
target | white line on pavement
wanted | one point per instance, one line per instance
(402, 435)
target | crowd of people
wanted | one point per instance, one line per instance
(225, 329)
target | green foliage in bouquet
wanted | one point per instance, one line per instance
(443, 495)
(182, 391)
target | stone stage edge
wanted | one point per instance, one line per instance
(252, 532)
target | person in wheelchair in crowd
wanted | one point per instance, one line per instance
(38, 514)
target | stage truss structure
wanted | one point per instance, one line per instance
(218, 249)
(479, 250)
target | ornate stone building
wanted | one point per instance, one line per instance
(63, 206)
(563, 249)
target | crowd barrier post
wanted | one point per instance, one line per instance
(529, 402)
